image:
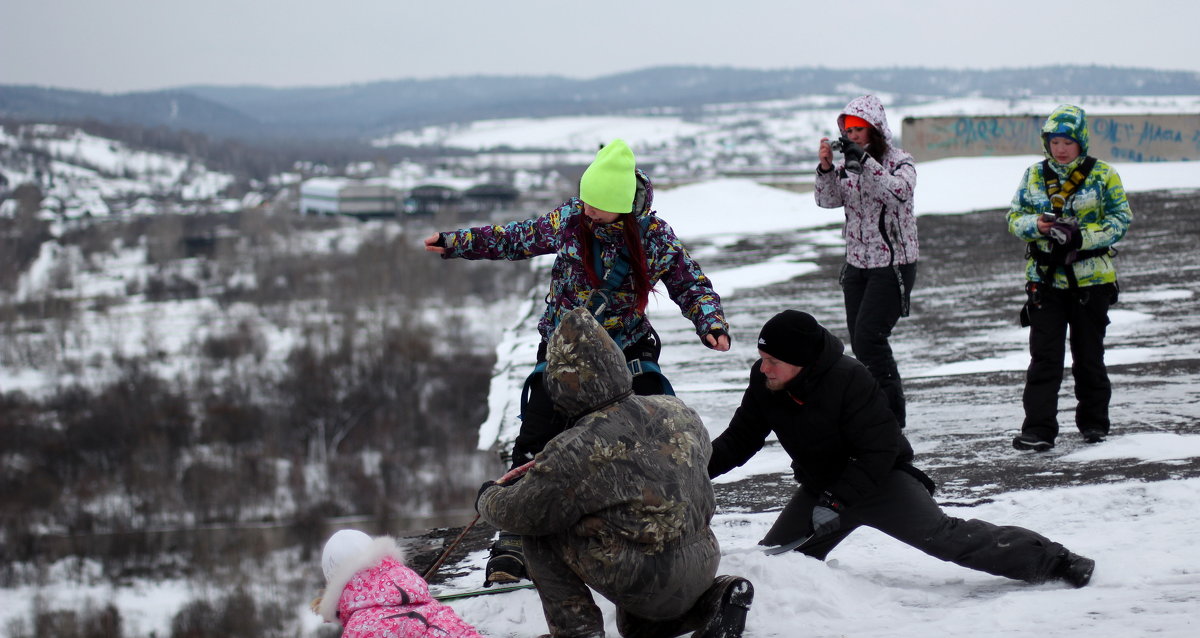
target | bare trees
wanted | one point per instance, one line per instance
(369, 408)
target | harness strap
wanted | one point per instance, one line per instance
(1059, 193)
(645, 366)
(1049, 263)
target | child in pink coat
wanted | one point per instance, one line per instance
(372, 594)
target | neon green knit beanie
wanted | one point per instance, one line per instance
(610, 183)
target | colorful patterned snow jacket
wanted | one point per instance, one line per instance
(556, 232)
(374, 595)
(1099, 205)
(880, 229)
(626, 488)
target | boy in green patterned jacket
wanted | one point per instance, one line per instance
(1070, 209)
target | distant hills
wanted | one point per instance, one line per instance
(361, 111)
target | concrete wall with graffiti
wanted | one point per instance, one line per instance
(1118, 138)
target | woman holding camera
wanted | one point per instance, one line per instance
(874, 184)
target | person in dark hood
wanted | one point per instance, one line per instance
(874, 184)
(619, 503)
(854, 464)
(610, 248)
(1069, 210)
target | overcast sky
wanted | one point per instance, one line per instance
(132, 45)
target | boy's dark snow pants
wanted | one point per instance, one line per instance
(1085, 311)
(904, 510)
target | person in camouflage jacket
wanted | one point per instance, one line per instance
(620, 502)
(1070, 278)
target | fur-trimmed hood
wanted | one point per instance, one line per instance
(379, 549)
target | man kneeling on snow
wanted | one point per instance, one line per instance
(854, 465)
(619, 502)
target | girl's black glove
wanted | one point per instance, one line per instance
(716, 335)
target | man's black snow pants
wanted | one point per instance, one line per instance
(1085, 311)
(873, 306)
(904, 510)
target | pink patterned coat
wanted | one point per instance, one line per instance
(880, 229)
(375, 595)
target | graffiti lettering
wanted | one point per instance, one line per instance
(1127, 154)
(1154, 133)
(1136, 138)
(1110, 130)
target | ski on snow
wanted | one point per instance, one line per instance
(500, 589)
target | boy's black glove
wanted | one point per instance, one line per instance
(1067, 239)
(1066, 234)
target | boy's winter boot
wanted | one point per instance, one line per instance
(729, 600)
(507, 561)
(1073, 568)
(1033, 442)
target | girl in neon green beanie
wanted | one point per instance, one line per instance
(610, 249)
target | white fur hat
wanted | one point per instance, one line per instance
(342, 546)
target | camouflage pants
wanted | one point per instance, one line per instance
(653, 593)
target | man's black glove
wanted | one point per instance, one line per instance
(826, 517)
(855, 155)
(483, 488)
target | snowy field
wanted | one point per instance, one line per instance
(1129, 503)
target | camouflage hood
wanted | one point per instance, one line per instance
(1066, 120)
(585, 369)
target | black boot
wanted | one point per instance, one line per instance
(731, 597)
(507, 561)
(1035, 442)
(1073, 568)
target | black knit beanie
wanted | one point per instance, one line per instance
(792, 337)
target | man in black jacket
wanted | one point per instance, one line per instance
(854, 465)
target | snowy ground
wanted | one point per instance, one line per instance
(1129, 502)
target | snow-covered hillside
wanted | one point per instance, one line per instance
(84, 175)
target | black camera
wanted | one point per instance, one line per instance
(853, 164)
(1049, 217)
